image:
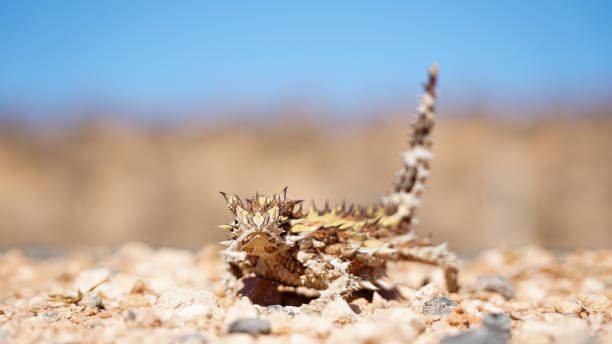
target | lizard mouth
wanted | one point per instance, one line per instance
(259, 243)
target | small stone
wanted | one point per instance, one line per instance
(289, 310)
(5, 337)
(563, 330)
(427, 291)
(489, 307)
(177, 297)
(496, 283)
(338, 311)
(91, 300)
(457, 317)
(468, 337)
(36, 303)
(479, 336)
(363, 332)
(495, 330)
(568, 307)
(50, 316)
(408, 323)
(498, 322)
(438, 305)
(192, 338)
(193, 311)
(105, 315)
(430, 319)
(129, 315)
(588, 338)
(301, 339)
(148, 318)
(89, 311)
(273, 308)
(241, 309)
(237, 338)
(250, 325)
(595, 303)
(306, 324)
(187, 304)
(519, 306)
(473, 318)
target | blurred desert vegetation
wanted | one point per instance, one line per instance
(495, 183)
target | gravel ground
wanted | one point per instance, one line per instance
(140, 294)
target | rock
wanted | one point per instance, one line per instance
(105, 315)
(301, 339)
(289, 310)
(237, 338)
(192, 338)
(405, 322)
(338, 311)
(391, 325)
(495, 330)
(595, 303)
(361, 332)
(5, 337)
(496, 283)
(193, 311)
(427, 291)
(458, 317)
(250, 325)
(479, 336)
(588, 339)
(438, 305)
(129, 315)
(241, 309)
(50, 316)
(498, 322)
(568, 307)
(490, 307)
(187, 304)
(565, 330)
(36, 303)
(178, 297)
(92, 300)
(312, 325)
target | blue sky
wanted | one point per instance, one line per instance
(180, 53)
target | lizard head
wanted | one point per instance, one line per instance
(259, 225)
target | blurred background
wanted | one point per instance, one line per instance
(121, 121)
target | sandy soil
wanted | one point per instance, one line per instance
(139, 294)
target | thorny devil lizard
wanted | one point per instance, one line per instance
(342, 249)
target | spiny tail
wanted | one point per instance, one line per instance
(411, 179)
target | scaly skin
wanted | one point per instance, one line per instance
(342, 249)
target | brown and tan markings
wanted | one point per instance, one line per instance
(338, 250)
